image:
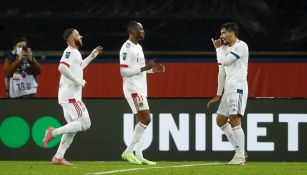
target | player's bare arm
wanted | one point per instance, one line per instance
(93, 55)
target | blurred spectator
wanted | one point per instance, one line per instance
(20, 70)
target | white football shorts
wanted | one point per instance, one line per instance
(137, 103)
(74, 109)
(233, 103)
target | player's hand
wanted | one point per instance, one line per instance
(149, 65)
(96, 51)
(213, 100)
(158, 68)
(217, 43)
(82, 83)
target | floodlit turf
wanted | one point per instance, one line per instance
(164, 168)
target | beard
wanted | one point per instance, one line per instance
(78, 43)
(139, 38)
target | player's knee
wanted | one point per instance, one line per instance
(221, 120)
(86, 123)
(144, 117)
(148, 120)
(235, 120)
(145, 121)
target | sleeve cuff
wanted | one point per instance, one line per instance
(219, 49)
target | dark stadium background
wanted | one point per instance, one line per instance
(173, 25)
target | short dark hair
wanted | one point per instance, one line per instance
(19, 39)
(131, 26)
(231, 27)
(67, 33)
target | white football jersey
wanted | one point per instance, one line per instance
(67, 89)
(132, 60)
(233, 62)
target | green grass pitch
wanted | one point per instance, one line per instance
(162, 167)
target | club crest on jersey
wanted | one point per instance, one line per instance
(141, 104)
(67, 54)
(124, 55)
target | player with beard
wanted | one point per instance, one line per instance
(70, 95)
(232, 56)
(133, 70)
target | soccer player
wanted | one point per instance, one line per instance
(232, 56)
(70, 95)
(133, 69)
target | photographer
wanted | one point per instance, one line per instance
(20, 70)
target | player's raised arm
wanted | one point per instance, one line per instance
(228, 59)
(93, 55)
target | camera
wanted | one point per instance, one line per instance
(25, 48)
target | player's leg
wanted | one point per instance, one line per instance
(80, 121)
(128, 153)
(139, 106)
(139, 144)
(222, 120)
(67, 138)
(58, 158)
(71, 127)
(139, 129)
(237, 104)
(239, 157)
(145, 119)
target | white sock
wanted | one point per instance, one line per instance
(229, 133)
(69, 128)
(240, 140)
(139, 148)
(137, 134)
(64, 145)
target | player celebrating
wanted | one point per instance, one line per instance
(70, 95)
(133, 69)
(232, 56)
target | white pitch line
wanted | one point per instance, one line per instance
(147, 168)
